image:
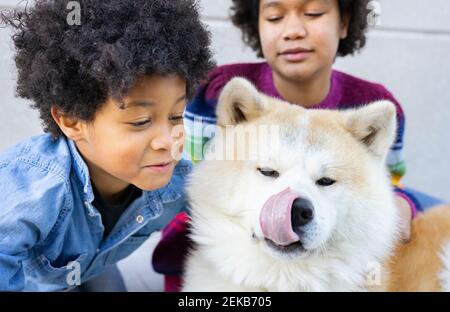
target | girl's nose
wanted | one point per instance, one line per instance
(294, 28)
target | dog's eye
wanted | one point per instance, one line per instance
(325, 182)
(269, 172)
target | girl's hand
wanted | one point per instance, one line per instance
(405, 218)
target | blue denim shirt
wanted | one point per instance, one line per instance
(51, 234)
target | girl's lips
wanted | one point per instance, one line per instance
(295, 56)
(160, 168)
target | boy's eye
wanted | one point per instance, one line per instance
(176, 119)
(140, 124)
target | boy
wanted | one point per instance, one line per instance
(111, 93)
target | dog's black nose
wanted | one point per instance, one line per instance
(302, 213)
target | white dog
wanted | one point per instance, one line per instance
(310, 206)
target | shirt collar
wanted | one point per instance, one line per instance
(331, 101)
(82, 171)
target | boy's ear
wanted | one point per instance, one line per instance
(374, 125)
(239, 102)
(70, 126)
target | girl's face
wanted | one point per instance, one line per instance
(300, 38)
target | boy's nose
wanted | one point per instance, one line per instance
(163, 140)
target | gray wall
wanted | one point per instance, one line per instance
(17, 120)
(407, 53)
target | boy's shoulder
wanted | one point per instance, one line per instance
(175, 189)
(41, 151)
(34, 185)
(183, 168)
(355, 90)
(38, 165)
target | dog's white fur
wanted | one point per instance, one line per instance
(354, 230)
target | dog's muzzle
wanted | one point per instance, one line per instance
(284, 215)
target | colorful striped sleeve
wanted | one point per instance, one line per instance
(200, 115)
(396, 160)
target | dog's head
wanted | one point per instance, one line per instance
(294, 182)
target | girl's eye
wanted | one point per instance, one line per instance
(274, 18)
(325, 182)
(314, 14)
(267, 172)
(140, 124)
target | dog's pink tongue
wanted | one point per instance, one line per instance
(275, 218)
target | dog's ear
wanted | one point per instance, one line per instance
(374, 125)
(239, 102)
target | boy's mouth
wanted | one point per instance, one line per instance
(162, 167)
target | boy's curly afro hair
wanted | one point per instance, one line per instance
(245, 15)
(77, 67)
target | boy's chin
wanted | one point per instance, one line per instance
(156, 183)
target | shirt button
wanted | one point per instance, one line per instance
(139, 219)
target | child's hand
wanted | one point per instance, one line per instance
(405, 218)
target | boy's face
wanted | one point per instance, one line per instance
(138, 143)
(300, 38)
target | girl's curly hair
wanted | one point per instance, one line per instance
(77, 67)
(245, 15)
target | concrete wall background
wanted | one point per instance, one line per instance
(408, 53)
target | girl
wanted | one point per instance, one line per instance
(299, 40)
